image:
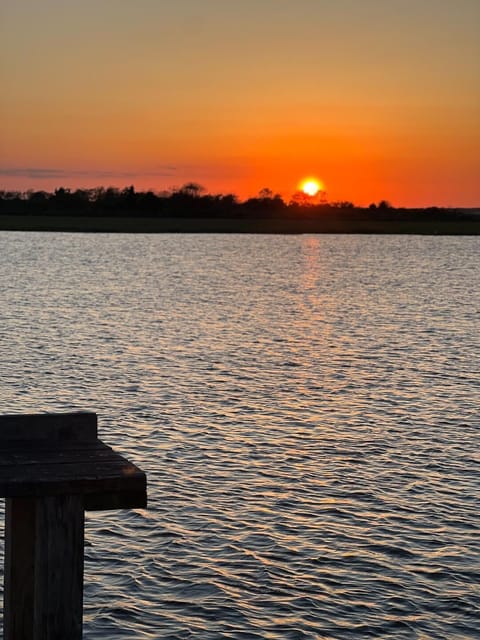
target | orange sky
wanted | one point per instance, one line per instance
(380, 100)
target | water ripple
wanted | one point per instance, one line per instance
(306, 409)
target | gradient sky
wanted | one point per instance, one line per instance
(380, 99)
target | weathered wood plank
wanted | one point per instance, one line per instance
(45, 426)
(56, 455)
(95, 470)
(115, 486)
(47, 445)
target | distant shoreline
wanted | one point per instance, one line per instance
(327, 224)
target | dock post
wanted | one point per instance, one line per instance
(52, 468)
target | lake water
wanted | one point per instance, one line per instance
(306, 409)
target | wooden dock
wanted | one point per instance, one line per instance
(52, 468)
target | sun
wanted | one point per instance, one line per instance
(311, 186)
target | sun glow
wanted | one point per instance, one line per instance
(311, 186)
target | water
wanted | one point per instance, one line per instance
(306, 409)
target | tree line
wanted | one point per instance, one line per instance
(192, 201)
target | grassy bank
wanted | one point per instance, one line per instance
(229, 225)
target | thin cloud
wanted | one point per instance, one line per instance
(31, 172)
(41, 173)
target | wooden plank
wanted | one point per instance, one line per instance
(116, 500)
(7, 446)
(64, 456)
(44, 426)
(22, 456)
(76, 479)
(94, 469)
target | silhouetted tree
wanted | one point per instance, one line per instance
(38, 197)
(342, 204)
(301, 199)
(265, 194)
(384, 204)
(192, 189)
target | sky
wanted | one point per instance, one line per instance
(378, 99)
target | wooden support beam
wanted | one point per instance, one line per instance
(19, 585)
(44, 540)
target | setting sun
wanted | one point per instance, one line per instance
(311, 186)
